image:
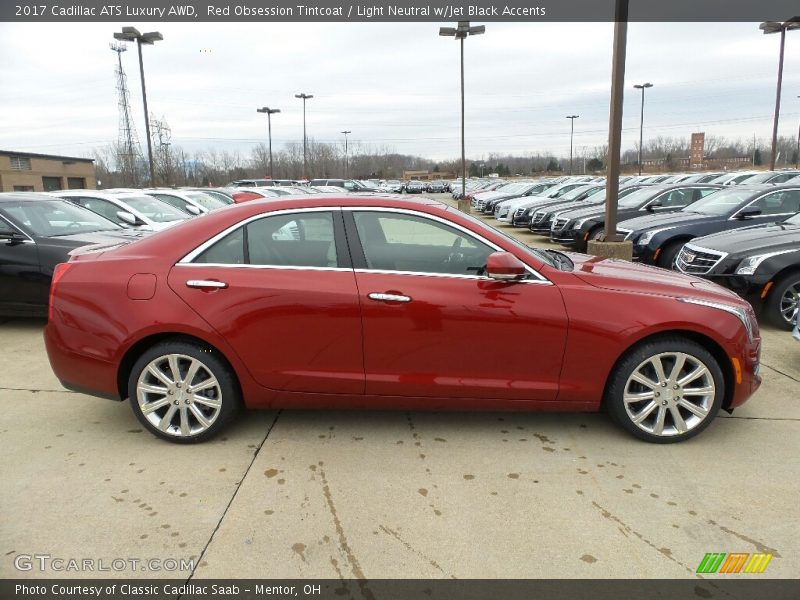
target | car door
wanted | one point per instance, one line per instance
(23, 287)
(281, 290)
(435, 327)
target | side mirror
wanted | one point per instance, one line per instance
(654, 205)
(191, 208)
(11, 237)
(128, 218)
(748, 213)
(504, 266)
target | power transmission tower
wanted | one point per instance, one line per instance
(129, 153)
(161, 134)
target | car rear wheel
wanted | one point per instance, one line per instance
(183, 392)
(666, 390)
(782, 301)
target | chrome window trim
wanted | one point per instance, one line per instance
(186, 261)
(468, 232)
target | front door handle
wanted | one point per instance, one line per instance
(205, 284)
(389, 297)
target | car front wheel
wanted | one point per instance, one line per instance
(782, 301)
(183, 392)
(666, 390)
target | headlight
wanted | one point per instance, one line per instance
(749, 265)
(645, 238)
(743, 314)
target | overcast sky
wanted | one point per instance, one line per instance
(392, 85)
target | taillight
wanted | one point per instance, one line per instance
(58, 273)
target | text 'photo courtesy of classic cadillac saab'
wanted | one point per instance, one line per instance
(403, 304)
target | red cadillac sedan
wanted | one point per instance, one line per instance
(383, 303)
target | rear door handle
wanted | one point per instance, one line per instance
(389, 297)
(205, 284)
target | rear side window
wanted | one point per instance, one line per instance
(292, 240)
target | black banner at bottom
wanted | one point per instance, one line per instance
(390, 589)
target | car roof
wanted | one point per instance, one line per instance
(26, 197)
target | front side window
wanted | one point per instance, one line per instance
(101, 207)
(403, 242)
(778, 203)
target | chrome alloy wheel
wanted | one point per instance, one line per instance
(669, 394)
(179, 395)
(789, 302)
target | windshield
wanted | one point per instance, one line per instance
(225, 199)
(638, 197)
(206, 200)
(542, 256)
(154, 209)
(758, 178)
(719, 203)
(56, 218)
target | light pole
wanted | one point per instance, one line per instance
(304, 97)
(642, 87)
(571, 133)
(345, 151)
(460, 33)
(131, 34)
(269, 112)
(797, 149)
(775, 27)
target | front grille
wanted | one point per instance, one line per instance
(519, 212)
(625, 233)
(559, 224)
(695, 260)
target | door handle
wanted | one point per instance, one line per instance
(206, 284)
(389, 297)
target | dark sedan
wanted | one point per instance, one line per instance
(657, 239)
(523, 215)
(761, 263)
(37, 232)
(575, 228)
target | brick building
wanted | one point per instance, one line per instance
(29, 172)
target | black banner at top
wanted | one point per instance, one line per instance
(394, 10)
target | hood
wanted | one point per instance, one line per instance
(595, 210)
(754, 239)
(621, 275)
(649, 221)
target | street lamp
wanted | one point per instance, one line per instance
(304, 97)
(345, 151)
(797, 150)
(642, 87)
(269, 112)
(571, 132)
(131, 34)
(774, 27)
(460, 33)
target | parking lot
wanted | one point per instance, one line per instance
(392, 494)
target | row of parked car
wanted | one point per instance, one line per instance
(740, 230)
(392, 186)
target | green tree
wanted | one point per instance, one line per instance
(594, 164)
(552, 165)
(757, 160)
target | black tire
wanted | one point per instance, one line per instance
(669, 254)
(666, 399)
(779, 300)
(226, 392)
